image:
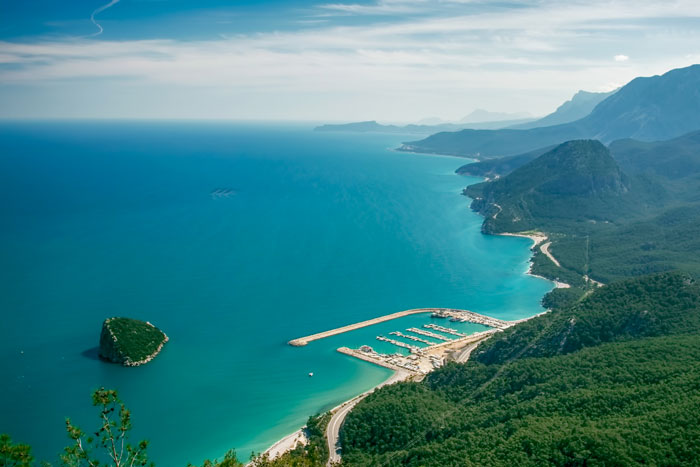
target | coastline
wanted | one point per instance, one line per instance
(150, 357)
(287, 443)
(290, 441)
(538, 238)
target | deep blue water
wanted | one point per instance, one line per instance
(116, 219)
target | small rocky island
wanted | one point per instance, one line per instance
(130, 342)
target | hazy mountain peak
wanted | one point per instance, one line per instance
(481, 115)
(648, 109)
(579, 106)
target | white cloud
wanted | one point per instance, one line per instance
(621, 58)
(520, 59)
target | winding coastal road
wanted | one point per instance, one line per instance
(333, 429)
(339, 414)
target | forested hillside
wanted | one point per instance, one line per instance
(611, 381)
(645, 222)
(576, 182)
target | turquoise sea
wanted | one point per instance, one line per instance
(117, 219)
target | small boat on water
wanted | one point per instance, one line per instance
(223, 192)
(311, 374)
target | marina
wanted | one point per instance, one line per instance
(452, 343)
(420, 361)
(452, 313)
(444, 329)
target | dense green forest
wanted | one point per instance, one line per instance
(135, 339)
(577, 182)
(635, 208)
(612, 380)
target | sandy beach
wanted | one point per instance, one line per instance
(290, 441)
(287, 443)
(537, 239)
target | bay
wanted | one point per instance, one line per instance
(318, 230)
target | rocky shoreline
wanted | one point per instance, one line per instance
(150, 357)
(135, 335)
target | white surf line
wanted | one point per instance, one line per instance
(97, 12)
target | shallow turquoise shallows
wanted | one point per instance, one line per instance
(319, 230)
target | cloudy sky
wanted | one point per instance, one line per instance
(390, 60)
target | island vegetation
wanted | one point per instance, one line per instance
(130, 342)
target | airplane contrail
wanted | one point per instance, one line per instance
(98, 11)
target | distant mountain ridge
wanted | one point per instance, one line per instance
(580, 106)
(481, 115)
(653, 108)
(675, 158)
(371, 126)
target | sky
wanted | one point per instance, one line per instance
(385, 60)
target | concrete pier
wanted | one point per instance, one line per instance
(462, 315)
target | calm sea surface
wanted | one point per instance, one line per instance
(117, 219)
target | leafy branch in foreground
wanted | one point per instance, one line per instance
(109, 441)
(229, 460)
(14, 455)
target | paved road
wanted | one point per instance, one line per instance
(464, 354)
(334, 425)
(338, 417)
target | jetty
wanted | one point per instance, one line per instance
(458, 315)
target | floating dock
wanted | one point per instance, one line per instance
(412, 348)
(460, 315)
(429, 334)
(454, 332)
(412, 338)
